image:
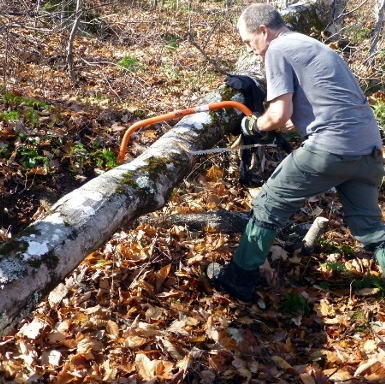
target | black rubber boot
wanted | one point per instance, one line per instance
(238, 282)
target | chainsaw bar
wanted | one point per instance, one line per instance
(229, 149)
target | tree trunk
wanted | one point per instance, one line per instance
(220, 221)
(39, 257)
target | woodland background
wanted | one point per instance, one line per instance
(74, 76)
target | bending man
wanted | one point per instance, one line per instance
(311, 88)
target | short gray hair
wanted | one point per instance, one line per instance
(257, 14)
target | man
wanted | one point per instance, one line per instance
(309, 87)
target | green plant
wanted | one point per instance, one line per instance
(104, 158)
(358, 315)
(58, 6)
(13, 100)
(356, 34)
(371, 281)
(379, 113)
(31, 156)
(140, 113)
(10, 116)
(22, 108)
(32, 118)
(129, 63)
(294, 303)
(172, 41)
(336, 266)
(5, 153)
(170, 72)
(330, 247)
(78, 155)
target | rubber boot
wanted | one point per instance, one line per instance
(238, 282)
(254, 246)
(380, 256)
(240, 276)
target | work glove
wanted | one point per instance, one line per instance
(249, 125)
(250, 129)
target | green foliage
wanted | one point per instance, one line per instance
(371, 281)
(22, 108)
(31, 155)
(78, 156)
(336, 266)
(172, 41)
(4, 151)
(139, 113)
(104, 158)
(10, 116)
(170, 72)
(358, 315)
(359, 319)
(379, 113)
(59, 6)
(330, 247)
(12, 100)
(356, 34)
(294, 303)
(32, 118)
(129, 63)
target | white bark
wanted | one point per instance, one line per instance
(379, 26)
(313, 234)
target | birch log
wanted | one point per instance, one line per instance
(38, 258)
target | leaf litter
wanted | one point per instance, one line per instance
(140, 309)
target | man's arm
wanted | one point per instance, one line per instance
(278, 114)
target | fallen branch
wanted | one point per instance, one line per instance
(314, 233)
(219, 221)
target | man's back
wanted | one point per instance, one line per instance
(329, 107)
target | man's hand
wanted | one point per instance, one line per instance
(249, 125)
(250, 129)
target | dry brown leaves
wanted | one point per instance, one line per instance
(140, 309)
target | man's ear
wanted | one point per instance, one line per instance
(262, 28)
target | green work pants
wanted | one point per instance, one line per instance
(307, 172)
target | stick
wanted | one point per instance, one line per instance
(313, 234)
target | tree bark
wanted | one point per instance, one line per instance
(314, 233)
(220, 221)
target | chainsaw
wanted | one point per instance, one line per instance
(184, 112)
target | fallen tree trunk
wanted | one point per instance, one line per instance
(219, 221)
(38, 258)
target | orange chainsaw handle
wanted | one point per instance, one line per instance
(175, 114)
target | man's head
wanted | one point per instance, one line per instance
(258, 25)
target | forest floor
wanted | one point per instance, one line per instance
(140, 309)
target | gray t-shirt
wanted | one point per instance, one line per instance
(329, 107)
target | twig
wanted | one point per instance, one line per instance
(70, 61)
(353, 10)
(377, 28)
(205, 55)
